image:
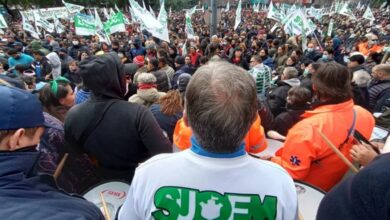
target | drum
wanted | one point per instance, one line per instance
(114, 193)
(309, 198)
(273, 146)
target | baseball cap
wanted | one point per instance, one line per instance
(19, 109)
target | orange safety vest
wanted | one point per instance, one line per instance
(363, 48)
(255, 140)
(305, 154)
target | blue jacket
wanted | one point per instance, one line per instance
(26, 195)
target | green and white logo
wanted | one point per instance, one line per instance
(186, 203)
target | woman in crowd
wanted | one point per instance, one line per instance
(57, 98)
(167, 111)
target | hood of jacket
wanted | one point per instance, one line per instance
(149, 95)
(292, 82)
(104, 75)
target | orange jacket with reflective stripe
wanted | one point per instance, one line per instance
(363, 48)
(255, 140)
(307, 157)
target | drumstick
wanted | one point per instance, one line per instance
(106, 213)
(337, 151)
(60, 166)
(300, 217)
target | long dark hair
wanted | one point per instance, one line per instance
(50, 96)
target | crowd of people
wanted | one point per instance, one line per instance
(215, 99)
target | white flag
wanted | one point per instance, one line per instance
(43, 23)
(330, 28)
(346, 10)
(227, 6)
(368, 14)
(358, 6)
(3, 23)
(274, 13)
(103, 37)
(105, 12)
(28, 27)
(184, 49)
(143, 4)
(58, 26)
(256, 8)
(383, 5)
(84, 25)
(72, 8)
(189, 30)
(170, 11)
(238, 15)
(163, 19)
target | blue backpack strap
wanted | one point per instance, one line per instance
(351, 130)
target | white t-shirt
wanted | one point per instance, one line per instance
(186, 185)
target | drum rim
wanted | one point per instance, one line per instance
(308, 184)
(101, 183)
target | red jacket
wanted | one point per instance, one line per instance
(307, 157)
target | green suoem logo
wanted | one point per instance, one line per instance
(185, 203)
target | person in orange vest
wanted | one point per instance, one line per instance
(255, 141)
(305, 154)
(370, 46)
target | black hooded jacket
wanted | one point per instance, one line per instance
(122, 137)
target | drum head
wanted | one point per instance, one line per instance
(309, 198)
(114, 192)
(273, 146)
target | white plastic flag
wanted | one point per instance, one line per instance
(346, 10)
(184, 49)
(72, 8)
(103, 37)
(105, 12)
(189, 30)
(84, 25)
(227, 6)
(59, 28)
(3, 23)
(368, 14)
(43, 23)
(28, 27)
(115, 24)
(274, 13)
(163, 20)
(238, 15)
(330, 28)
(383, 5)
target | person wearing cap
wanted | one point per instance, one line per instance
(116, 133)
(147, 92)
(215, 178)
(25, 194)
(305, 154)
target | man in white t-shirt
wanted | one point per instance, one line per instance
(215, 178)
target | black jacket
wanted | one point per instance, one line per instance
(26, 195)
(379, 92)
(163, 84)
(125, 135)
(286, 120)
(277, 98)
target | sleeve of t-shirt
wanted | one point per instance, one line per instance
(151, 133)
(128, 210)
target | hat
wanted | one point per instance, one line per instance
(16, 43)
(131, 68)
(36, 45)
(183, 81)
(19, 109)
(139, 60)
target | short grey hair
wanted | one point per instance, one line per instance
(290, 72)
(383, 68)
(221, 105)
(147, 78)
